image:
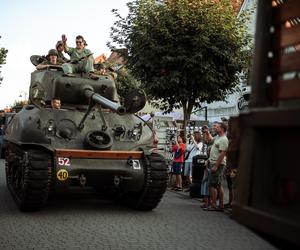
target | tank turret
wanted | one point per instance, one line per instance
(91, 141)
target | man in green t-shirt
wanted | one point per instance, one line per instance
(217, 163)
(81, 59)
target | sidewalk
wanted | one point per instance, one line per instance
(277, 243)
(187, 195)
(171, 183)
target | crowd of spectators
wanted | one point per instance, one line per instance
(212, 144)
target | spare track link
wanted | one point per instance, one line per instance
(28, 176)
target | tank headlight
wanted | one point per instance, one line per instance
(136, 132)
(50, 128)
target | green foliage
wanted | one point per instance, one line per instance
(124, 82)
(184, 52)
(3, 54)
(124, 79)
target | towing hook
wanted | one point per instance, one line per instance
(130, 161)
(117, 180)
(82, 180)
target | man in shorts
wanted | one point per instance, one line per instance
(217, 163)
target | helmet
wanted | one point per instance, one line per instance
(58, 44)
(52, 52)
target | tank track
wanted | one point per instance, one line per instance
(156, 177)
(28, 176)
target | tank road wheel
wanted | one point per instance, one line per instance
(156, 176)
(28, 176)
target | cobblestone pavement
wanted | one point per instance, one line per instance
(82, 221)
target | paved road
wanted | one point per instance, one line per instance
(84, 222)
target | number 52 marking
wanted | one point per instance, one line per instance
(63, 161)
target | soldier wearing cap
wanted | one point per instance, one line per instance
(60, 48)
(51, 60)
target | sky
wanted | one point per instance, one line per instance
(32, 27)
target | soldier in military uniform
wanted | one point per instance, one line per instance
(60, 48)
(51, 60)
(81, 59)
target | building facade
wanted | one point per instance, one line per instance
(237, 101)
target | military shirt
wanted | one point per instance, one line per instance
(47, 63)
(77, 54)
(61, 58)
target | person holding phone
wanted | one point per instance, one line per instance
(178, 159)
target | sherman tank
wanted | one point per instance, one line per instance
(91, 141)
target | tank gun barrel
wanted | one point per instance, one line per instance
(104, 102)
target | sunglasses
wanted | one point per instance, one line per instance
(78, 42)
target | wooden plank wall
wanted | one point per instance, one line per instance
(285, 54)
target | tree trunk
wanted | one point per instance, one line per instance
(187, 107)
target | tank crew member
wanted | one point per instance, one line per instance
(60, 48)
(81, 59)
(51, 60)
(55, 103)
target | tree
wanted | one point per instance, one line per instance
(116, 65)
(184, 52)
(3, 54)
(125, 82)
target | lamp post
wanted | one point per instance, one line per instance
(205, 111)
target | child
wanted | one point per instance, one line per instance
(178, 160)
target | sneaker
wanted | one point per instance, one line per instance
(69, 75)
(209, 208)
(178, 189)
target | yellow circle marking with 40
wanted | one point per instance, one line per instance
(62, 175)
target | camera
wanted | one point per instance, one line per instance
(171, 135)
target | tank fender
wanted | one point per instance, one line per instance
(147, 150)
